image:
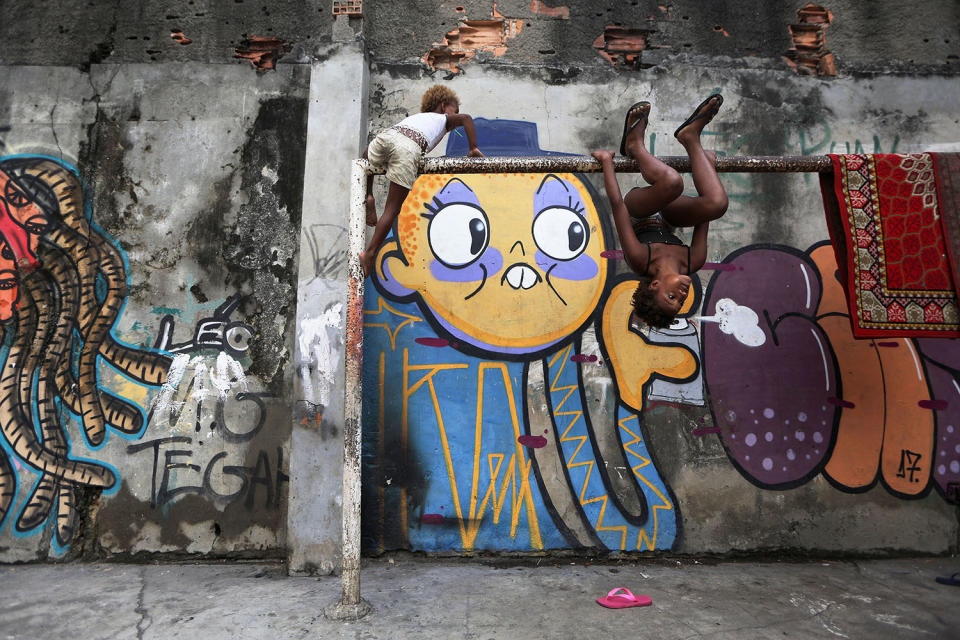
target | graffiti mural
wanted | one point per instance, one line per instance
(503, 379)
(68, 381)
(506, 384)
(63, 285)
(810, 399)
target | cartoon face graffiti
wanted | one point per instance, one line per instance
(22, 216)
(508, 264)
(62, 286)
(9, 291)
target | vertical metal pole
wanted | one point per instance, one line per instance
(351, 606)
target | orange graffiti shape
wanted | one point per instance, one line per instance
(884, 385)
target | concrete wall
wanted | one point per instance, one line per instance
(181, 239)
(190, 162)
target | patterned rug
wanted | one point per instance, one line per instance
(885, 218)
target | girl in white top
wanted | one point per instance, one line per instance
(398, 150)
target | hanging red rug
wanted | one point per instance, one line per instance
(885, 217)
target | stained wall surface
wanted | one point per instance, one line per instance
(151, 333)
(176, 187)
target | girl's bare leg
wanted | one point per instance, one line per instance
(665, 183)
(711, 201)
(391, 208)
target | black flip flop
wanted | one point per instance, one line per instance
(626, 120)
(706, 114)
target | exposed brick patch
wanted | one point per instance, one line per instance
(809, 55)
(178, 36)
(445, 59)
(262, 52)
(551, 12)
(621, 45)
(471, 37)
(348, 7)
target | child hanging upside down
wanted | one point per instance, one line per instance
(399, 148)
(662, 261)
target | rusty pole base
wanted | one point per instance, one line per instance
(347, 612)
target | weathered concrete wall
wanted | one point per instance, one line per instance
(335, 133)
(206, 144)
(565, 39)
(190, 177)
(54, 32)
(181, 129)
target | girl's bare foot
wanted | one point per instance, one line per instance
(371, 211)
(691, 128)
(634, 129)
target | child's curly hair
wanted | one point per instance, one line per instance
(645, 307)
(436, 96)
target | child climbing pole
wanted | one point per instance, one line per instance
(398, 150)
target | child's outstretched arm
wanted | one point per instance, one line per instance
(633, 250)
(463, 120)
(698, 247)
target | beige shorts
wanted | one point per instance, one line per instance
(398, 154)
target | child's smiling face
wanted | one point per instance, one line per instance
(509, 263)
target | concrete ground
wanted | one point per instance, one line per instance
(427, 598)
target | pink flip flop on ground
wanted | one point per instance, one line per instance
(621, 598)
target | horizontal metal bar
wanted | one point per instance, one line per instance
(588, 164)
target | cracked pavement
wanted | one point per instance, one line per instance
(480, 599)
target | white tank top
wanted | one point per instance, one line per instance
(433, 126)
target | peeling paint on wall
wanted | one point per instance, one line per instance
(472, 37)
(318, 355)
(809, 55)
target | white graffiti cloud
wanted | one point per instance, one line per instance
(739, 321)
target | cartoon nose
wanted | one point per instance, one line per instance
(15, 236)
(520, 276)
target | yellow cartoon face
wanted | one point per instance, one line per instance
(508, 263)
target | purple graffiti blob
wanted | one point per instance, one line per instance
(944, 386)
(771, 401)
(534, 442)
(489, 263)
(943, 351)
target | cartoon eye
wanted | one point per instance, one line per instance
(458, 234)
(560, 233)
(36, 225)
(7, 252)
(8, 282)
(14, 196)
(238, 336)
